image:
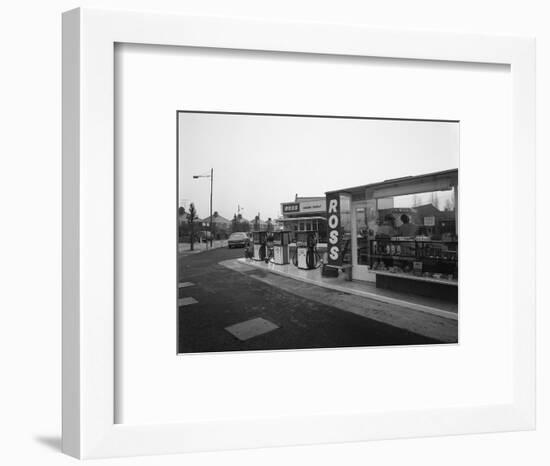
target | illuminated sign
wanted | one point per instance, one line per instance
(334, 230)
(292, 207)
(317, 205)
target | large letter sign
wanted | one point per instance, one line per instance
(334, 230)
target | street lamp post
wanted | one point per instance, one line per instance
(211, 176)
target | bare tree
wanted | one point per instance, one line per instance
(191, 217)
(244, 225)
(181, 219)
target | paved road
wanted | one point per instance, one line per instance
(185, 248)
(227, 297)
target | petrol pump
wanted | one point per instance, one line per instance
(306, 256)
(281, 241)
(259, 240)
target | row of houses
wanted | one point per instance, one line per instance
(309, 214)
(222, 226)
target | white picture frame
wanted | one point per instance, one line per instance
(89, 36)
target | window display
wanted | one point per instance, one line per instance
(416, 235)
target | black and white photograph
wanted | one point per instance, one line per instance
(314, 231)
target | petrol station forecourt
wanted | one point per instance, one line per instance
(369, 237)
(346, 215)
(287, 284)
(221, 292)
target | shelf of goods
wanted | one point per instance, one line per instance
(432, 254)
(411, 276)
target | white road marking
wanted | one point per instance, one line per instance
(186, 301)
(251, 328)
(185, 284)
(236, 265)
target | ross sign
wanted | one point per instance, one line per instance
(291, 207)
(313, 205)
(334, 230)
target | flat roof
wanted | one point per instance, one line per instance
(298, 200)
(309, 198)
(398, 181)
(288, 219)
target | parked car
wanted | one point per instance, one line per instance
(238, 240)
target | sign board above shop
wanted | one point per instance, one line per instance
(305, 206)
(291, 207)
(313, 206)
(335, 230)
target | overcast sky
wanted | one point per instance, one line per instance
(261, 161)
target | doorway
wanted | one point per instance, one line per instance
(360, 217)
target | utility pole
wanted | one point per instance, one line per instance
(211, 218)
(211, 176)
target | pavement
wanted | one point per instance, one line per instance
(225, 305)
(430, 305)
(185, 248)
(402, 316)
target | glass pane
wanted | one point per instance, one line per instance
(416, 234)
(424, 215)
(362, 235)
(345, 222)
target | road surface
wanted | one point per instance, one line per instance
(214, 297)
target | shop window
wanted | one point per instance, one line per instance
(345, 221)
(416, 234)
(362, 229)
(427, 214)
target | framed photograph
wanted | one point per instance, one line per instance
(261, 228)
(380, 252)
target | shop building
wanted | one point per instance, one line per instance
(401, 234)
(305, 214)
